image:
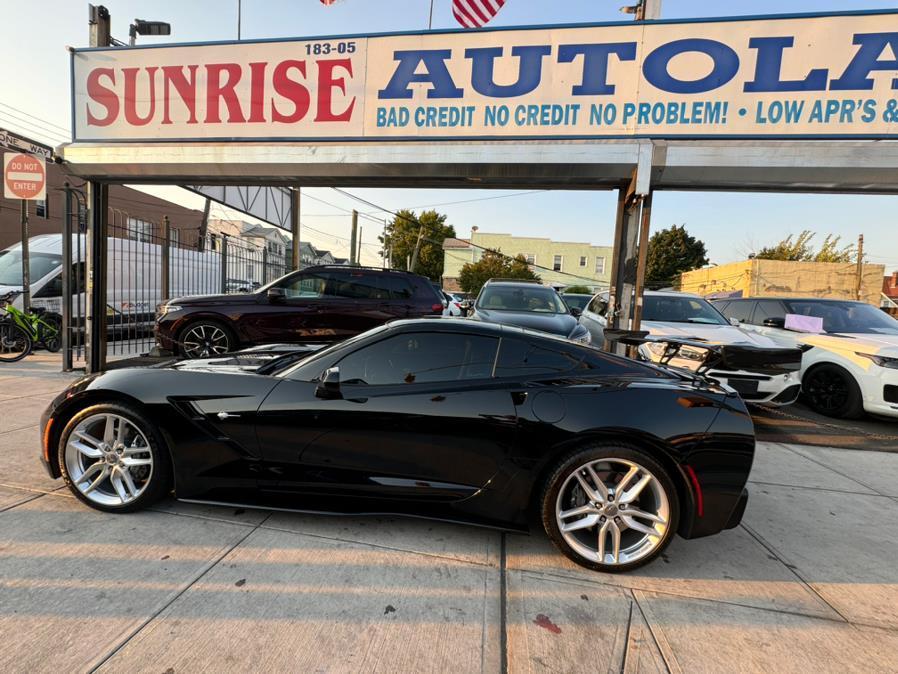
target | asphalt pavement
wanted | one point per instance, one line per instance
(808, 582)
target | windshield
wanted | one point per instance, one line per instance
(680, 309)
(39, 265)
(846, 316)
(535, 298)
(577, 301)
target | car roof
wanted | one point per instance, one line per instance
(663, 293)
(791, 299)
(466, 325)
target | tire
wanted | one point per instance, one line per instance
(641, 537)
(94, 469)
(832, 391)
(51, 338)
(219, 339)
(15, 343)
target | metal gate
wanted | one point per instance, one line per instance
(150, 262)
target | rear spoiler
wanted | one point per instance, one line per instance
(772, 361)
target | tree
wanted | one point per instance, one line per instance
(578, 290)
(801, 250)
(671, 252)
(401, 236)
(493, 264)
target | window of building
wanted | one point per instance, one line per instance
(174, 236)
(213, 242)
(582, 260)
(530, 257)
(557, 263)
(140, 230)
(42, 209)
(417, 358)
(600, 265)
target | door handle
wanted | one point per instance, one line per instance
(518, 397)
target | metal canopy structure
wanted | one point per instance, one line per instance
(862, 166)
(789, 103)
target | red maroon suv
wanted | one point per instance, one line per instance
(317, 304)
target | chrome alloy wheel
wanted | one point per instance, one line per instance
(612, 511)
(205, 340)
(108, 459)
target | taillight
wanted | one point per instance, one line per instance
(699, 499)
(437, 308)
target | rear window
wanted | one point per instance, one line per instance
(399, 287)
(524, 357)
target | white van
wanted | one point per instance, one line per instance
(134, 285)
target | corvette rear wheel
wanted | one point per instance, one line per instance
(610, 508)
(111, 458)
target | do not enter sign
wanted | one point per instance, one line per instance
(24, 177)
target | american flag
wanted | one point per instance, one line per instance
(475, 13)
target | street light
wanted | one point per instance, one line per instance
(144, 27)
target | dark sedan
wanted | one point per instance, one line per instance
(449, 419)
(528, 305)
(319, 304)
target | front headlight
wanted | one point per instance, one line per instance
(168, 308)
(882, 361)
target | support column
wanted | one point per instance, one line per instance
(630, 249)
(97, 264)
(294, 226)
(353, 238)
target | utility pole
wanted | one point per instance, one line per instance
(239, 15)
(859, 284)
(358, 255)
(294, 226)
(354, 238)
(414, 262)
(100, 26)
(647, 10)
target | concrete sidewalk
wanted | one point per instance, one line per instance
(808, 582)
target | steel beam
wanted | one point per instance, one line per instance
(97, 253)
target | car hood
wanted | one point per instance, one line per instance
(715, 334)
(556, 324)
(885, 345)
(247, 361)
(201, 300)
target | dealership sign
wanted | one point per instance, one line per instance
(798, 76)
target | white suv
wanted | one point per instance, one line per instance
(853, 365)
(687, 316)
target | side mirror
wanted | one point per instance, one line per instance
(277, 294)
(735, 321)
(576, 312)
(775, 323)
(329, 386)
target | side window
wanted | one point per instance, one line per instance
(422, 357)
(598, 305)
(311, 285)
(517, 356)
(721, 307)
(740, 310)
(52, 289)
(768, 309)
(398, 287)
(358, 286)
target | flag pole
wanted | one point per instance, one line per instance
(430, 20)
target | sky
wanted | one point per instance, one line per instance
(34, 95)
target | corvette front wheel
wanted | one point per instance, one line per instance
(610, 508)
(112, 459)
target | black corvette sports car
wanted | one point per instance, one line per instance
(449, 419)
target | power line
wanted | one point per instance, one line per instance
(37, 131)
(468, 201)
(40, 119)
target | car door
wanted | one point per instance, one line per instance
(768, 319)
(419, 416)
(593, 318)
(300, 315)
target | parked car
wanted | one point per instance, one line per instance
(687, 316)
(453, 305)
(853, 365)
(450, 419)
(319, 304)
(528, 305)
(576, 300)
